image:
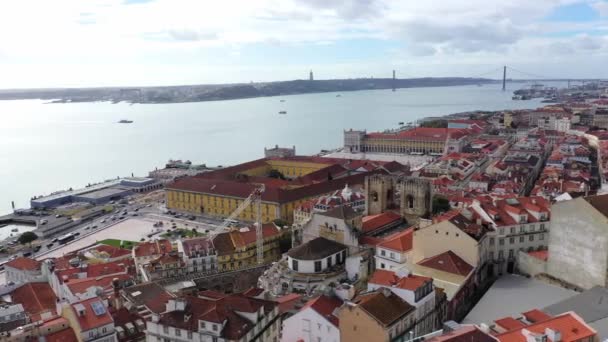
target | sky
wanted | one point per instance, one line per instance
(82, 43)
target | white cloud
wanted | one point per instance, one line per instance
(69, 36)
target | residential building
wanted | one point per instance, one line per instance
(216, 317)
(346, 197)
(316, 321)
(12, 317)
(577, 245)
(145, 252)
(377, 316)
(567, 327)
(395, 250)
(38, 300)
(418, 291)
(519, 224)
(341, 224)
(468, 333)
(237, 249)
(165, 266)
(198, 254)
(90, 320)
(23, 270)
(148, 298)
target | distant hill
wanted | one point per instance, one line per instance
(214, 92)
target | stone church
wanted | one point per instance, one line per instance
(411, 195)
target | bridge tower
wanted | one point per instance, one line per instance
(504, 78)
(394, 80)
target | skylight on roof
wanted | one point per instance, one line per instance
(98, 308)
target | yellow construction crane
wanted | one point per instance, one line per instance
(255, 199)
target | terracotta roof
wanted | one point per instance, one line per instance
(448, 262)
(421, 134)
(97, 270)
(542, 255)
(110, 252)
(325, 307)
(373, 222)
(535, 316)
(315, 249)
(570, 325)
(24, 264)
(65, 335)
(288, 302)
(122, 317)
(390, 279)
(384, 306)
(468, 333)
(104, 282)
(195, 246)
(36, 298)
(222, 310)
(91, 319)
(147, 249)
(247, 236)
(400, 242)
(509, 323)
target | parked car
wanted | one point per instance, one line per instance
(50, 245)
(55, 240)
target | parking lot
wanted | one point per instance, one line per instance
(132, 229)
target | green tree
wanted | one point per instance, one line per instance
(27, 237)
(440, 205)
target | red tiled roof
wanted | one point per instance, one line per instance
(542, 255)
(448, 262)
(243, 238)
(325, 307)
(373, 222)
(220, 311)
(422, 133)
(535, 316)
(24, 264)
(65, 335)
(97, 270)
(111, 251)
(105, 282)
(91, 320)
(288, 302)
(390, 279)
(400, 242)
(146, 249)
(467, 333)
(569, 324)
(196, 245)
(36, 298)
(509, 323)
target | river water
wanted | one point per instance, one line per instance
(48, 147)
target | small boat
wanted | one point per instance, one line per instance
(283, 112)
(282, 100)
(338, 95)
(14, 230)
(125, 121)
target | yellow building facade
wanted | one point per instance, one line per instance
(242, 255)
(222, 205)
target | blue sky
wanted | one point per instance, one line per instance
(164, 42)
